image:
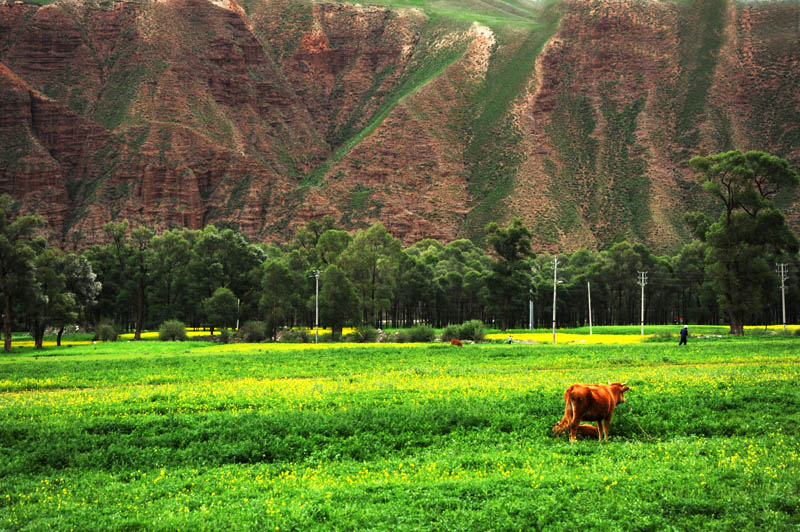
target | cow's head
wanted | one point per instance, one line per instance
(620, 388)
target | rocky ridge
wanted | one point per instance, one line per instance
(263, 115)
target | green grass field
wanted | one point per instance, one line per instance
(173, 436)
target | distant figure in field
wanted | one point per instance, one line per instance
(456, 342)
(510, 340)
(684, 335)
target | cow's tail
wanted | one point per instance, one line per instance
(575, 412)
(572, 403)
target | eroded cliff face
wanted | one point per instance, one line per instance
(265, 114)
(629, 92)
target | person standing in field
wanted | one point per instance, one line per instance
(684, 335)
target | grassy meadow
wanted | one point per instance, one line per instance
(173, 436)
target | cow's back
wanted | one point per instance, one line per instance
(591, 402)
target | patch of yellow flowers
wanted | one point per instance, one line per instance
(47, 343)
(772, 327)
(570, 338)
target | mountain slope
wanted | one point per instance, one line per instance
(433, 118)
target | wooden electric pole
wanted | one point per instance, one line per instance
(642, 281)
(784, 276)
(589, 291)
(555, 283)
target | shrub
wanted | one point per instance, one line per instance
(224, 335)
(471, 330)
(296, 336)
(449, 332)
(366, 333)
(421, 333)
(252, 331)
(399, 337)
(172, 330)
(106, 332)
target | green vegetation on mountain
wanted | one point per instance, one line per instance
(700, 30)
(493, 154)
(428, 61)
(495, 14)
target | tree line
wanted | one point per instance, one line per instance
(215, 277)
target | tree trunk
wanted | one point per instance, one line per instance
(7, 324)
(737, 325)
(504, 314)
(139, 312)
(58, 336)
(38, 336)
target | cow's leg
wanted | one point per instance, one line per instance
(575, 420)
(606, 427)
(600, 430)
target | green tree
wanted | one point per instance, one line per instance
(225, 258)
(53, 303)
(82, 283)
(16, 259)
(575, 270)
(457, 267)
(371, 263)
(510, 278)
(306, 239)
(413, 288)
(279, 296)
(696, 301)
(169, 290)
(338, 302)
(222, 308)
(750, 231)
(140, 262)
(618, 270)
(301, 274)
(124, 266)
(331, 244)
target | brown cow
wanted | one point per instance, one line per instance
(590, 402)
(584, 432)
(456, 342)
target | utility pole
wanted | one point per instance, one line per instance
(642, 281)
(555, 283)
(530, 302)
(530, 311)
(784, 275)
(589, 290)
(316, 307)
